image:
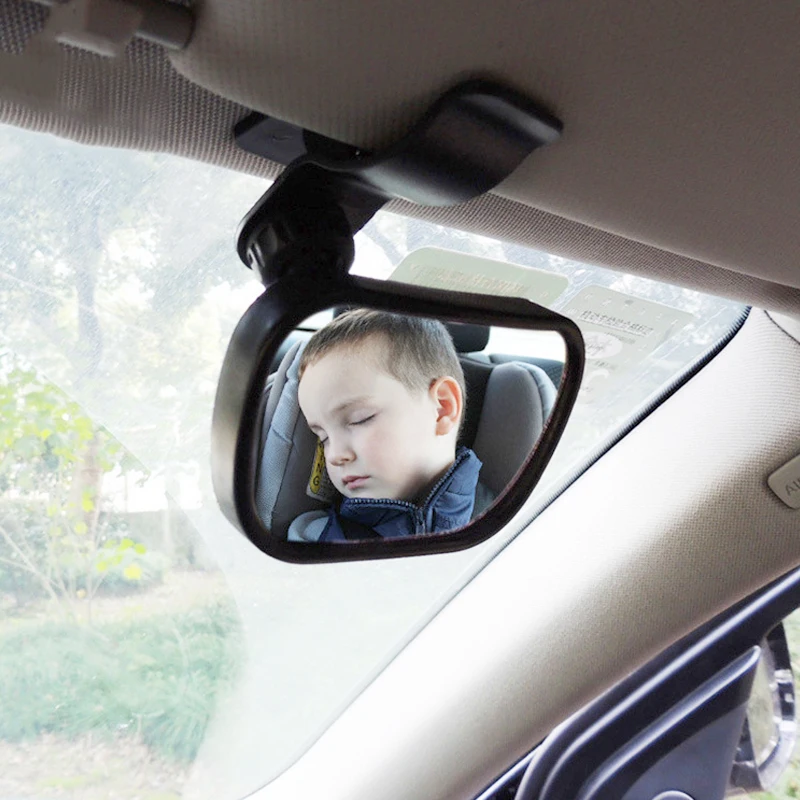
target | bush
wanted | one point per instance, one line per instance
(151, 568)
(132, 571)
(18, 521)
(53, 462)
(156, 679)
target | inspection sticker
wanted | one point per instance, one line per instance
(619, 331)
(459, 272)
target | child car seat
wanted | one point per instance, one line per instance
(507, 406)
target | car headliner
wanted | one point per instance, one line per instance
(678, 159)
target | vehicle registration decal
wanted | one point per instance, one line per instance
(619, 332)
(460, 272)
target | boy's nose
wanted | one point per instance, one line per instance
(339, 453)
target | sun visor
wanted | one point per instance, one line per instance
(680, 129)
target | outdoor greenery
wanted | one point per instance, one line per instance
(156, 679)
(99, 333)
(54, 537)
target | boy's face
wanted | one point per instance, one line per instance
(381, 440)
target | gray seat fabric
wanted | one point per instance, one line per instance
(551, 367)
(518, 400)
(507, 407)
(287, 456)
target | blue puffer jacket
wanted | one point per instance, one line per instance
(449, 505)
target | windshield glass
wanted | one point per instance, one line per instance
(146, 648)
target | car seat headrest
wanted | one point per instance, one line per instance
(468, 338)
(516, 404)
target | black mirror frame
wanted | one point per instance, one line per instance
(299, 238)
(238, 411)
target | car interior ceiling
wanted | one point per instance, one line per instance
(678, 163)
(622, 157)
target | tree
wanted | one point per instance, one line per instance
(107, 260)
(54, 538)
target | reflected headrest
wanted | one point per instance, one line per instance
(468, 338)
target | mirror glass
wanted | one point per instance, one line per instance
(381, 425)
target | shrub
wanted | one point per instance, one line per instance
(135, 572)
(53, 462)
(156, 679)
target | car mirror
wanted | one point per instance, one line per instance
(769, 732)
(433, 473)
(418, 427)
(299, 238)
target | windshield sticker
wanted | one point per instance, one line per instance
(459, 272)
(619, 332)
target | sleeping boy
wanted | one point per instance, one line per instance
(385, 395)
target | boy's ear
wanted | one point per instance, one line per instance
(446, 393)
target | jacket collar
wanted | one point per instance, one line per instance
(449, 504)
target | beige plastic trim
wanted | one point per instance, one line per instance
(788, 323)
(671, 526)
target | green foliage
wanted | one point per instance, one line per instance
(43, 433)
(52, 462)
(132, 570)
(105, 275)
(157, 679)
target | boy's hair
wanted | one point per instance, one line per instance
(418, 350)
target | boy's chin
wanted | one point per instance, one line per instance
(366, 494)
(370, 493)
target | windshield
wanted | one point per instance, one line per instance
(146, 648)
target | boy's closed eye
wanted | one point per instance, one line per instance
(362, 420)
(323, 439)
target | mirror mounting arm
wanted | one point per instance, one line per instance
(469, 141)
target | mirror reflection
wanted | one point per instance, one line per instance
(383, 425)
(767, 742)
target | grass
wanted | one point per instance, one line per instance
(70, 782)
(156, 679)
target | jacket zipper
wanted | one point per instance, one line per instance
(418, 512)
